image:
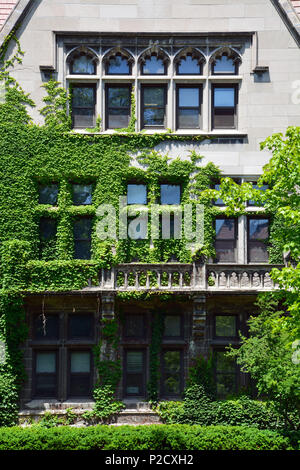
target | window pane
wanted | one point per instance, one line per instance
(154, 96)
(46, 327)
(188, 97)
(46, 362)
(83, 229)
(82, 194)
(48, 194)
(136, 194)
(225, 229)
(258, 229)
(118, 65)
(260, 188)
(153, 66)
(170, 193)
(218, 202)
(224, 65)
(45, 385)
(188, 65)
(154, 117)
(82, 236)
(172, 324)
(258, 252)
(172, 372)
(80, 326)
(226, 384)
(118, 118)
(84, 65)
(225, 251)
(48, 228)
(118, 97)
(224, 97)
(224, 118)
(83, 117)
(80, 362)
(134, 326)
(82, 249)
(135, 373)
(134, 361)
(188, 118)
(225, 363)
(80, 385)
(225, 325)
(83, 96)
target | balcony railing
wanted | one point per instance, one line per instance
(180, 277)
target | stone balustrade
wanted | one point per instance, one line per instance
(180, 277)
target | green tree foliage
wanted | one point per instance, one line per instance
(267, 356)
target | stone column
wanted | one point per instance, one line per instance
(198, 343)
(108, 351)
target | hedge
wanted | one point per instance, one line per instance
(153, 437)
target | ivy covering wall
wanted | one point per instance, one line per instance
(31, 155)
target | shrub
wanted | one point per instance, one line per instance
(105, 405)
(198, 408)
(8, 400)
(153, 437)
(169, 411)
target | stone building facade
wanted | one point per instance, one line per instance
(225, 70)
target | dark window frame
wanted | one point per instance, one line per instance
(235, 239)
(167, 348)
(253, 217)
(84, 85)
(154, 85)
(76, 348)
(35, 352)
(199, 107)
(235, 107)
(107, 107)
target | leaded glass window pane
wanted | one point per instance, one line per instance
(225, 325)
(188, 66)
(118, 65)
(172, 325)
(224, 65)
(172, 372)
(83, 65)
(153, 66)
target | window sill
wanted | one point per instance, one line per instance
(225, 78)
(83, 78)
(178, 132)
